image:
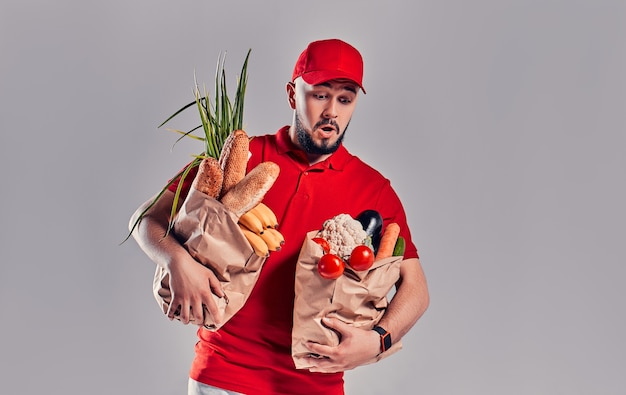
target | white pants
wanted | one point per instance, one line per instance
(196, 388)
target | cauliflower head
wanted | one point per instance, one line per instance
(343, 233)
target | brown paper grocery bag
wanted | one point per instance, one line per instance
(356, 298)
(212, 236)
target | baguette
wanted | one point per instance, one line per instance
(209, 178)
(234, 159)
(251, 189)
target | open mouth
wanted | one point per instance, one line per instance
(328, 128)
(327, 131)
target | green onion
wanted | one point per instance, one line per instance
(218, 119)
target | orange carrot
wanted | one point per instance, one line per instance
(388, 241)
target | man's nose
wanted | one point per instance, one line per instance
(331, 110)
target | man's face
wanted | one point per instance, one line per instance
(322, 114)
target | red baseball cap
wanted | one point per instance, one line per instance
(327, 60)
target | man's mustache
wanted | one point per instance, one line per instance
(330, 122)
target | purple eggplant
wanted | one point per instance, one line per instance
(372, 223)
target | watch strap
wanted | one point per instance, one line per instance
(385, 338)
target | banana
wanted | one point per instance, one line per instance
(258, 244)
(277, 235)
(272, 241)
(267, 216)
(252, 222)
(260, 215)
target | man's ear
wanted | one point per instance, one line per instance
(291, 94)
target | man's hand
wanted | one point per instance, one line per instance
(190, 283)
(357, 346)
(192, 286)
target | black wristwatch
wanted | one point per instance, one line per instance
(385, 338)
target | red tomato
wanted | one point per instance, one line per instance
(361, 258)
(330, 266)
(321, 241)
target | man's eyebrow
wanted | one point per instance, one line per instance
(348, 86)
(325, 84)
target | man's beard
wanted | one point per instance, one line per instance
(308, 145)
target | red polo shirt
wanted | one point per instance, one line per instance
(251, 353)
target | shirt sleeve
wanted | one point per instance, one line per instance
(174, 182)
(392, 210)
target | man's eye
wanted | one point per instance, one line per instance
(345, 100)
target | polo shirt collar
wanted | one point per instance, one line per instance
(284, 145)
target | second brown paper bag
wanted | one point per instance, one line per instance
(356, 298)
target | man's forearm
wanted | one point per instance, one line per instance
(151, 233)
(409, 302)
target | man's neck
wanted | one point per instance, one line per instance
(316, 158)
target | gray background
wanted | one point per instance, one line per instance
(500, 123)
